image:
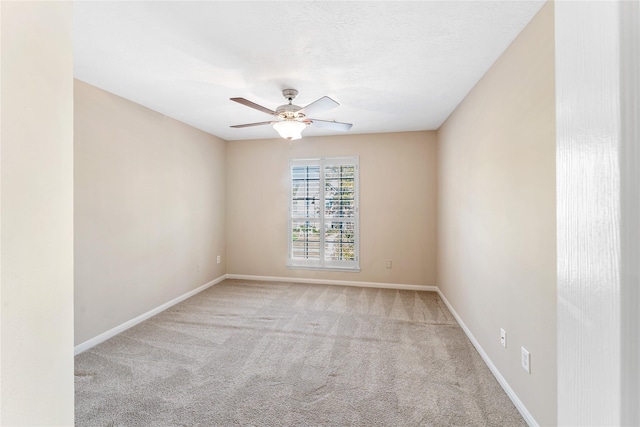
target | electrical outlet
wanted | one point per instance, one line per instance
(198, 267)
(388, 264)
(218, 259)
(503, 337)
(526, 365)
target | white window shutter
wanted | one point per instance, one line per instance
(323, 213)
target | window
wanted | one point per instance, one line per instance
(323, 213)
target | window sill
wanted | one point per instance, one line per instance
(306, 267)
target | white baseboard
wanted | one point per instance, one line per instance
(335, 282)
(503, 383)
(130, 323)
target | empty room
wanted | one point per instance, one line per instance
(319, 213)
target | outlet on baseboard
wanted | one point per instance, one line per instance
(218, 259)
(503, 337)
(388, 264)
(526, 365)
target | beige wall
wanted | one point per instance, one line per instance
(496, 231)
(36, 232)
(397, 205)
(149, 208)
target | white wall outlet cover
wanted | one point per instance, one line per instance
(503, 337)
(526, 362)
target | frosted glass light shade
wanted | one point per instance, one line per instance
(290, 129)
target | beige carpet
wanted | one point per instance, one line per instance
(281, 354)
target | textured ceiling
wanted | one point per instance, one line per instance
(392, 65)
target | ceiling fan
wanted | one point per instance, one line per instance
(292, 119)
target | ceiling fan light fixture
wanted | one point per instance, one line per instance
(290, 129)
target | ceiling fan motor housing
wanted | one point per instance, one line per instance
(289, 112)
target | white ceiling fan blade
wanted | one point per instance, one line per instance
(253, 105)
(323, 104)
(247, 125)
(332, 125)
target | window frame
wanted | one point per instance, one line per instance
(322, 263)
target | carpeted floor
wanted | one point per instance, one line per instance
(281, 354)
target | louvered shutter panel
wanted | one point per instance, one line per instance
(323, 223)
